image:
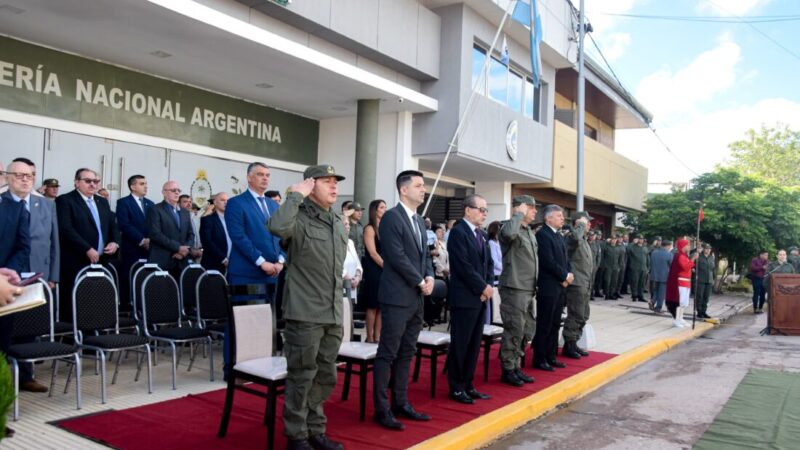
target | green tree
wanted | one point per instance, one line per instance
(6, 393)
(771, 154)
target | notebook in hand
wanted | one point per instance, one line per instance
(31, 297)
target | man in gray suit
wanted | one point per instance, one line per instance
(660, 262)
(43, 229)
(171, 235)
(407, 277)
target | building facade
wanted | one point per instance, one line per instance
(193, 90)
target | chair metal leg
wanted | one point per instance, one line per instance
(434, 362)
(174, 365)
(362, 391)
(149, 370)
(271, 401)
(69, 378)
(487, 346)
(102, 357)
(417, 364)
(348, 372)
(211, 357)
(15, 371)
(116, 369)
(52, 377)
(77, 379)
(139, 361)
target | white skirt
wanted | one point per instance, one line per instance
(684, 293)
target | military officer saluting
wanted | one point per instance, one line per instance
(517, 287)
(581, 260)
(312, 302)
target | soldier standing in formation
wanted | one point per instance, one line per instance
(517, 287)
(598, 250)
(578, 292)
(705, 280)
(637, 267)
(611, 265)
(312, 302)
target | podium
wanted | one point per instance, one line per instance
(784, 304)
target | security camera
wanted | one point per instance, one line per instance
(400, 100)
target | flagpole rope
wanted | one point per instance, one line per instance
(464, 115)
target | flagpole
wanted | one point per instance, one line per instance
(462, 120)
(581, 108)
(697, 247)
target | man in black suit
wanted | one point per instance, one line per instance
(407, 277)
(131, 218)
(171, 234)
(87, 230)
(471, 277)
(554, 277)
(214, 236)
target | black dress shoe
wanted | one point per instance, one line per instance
(321, 442)
(557, 363)
(387, 420)
(543, 366)
(569, 352)
(475, 395)
(511, 377)
(522, 376)
(581, 351)
(409, 412)
(299, 444)
(461, 397)
(9, 432)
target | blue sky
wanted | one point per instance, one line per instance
(705, 83)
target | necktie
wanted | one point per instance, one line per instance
(415, 224)
(176, 215)
(479, 240)
(96, 217)
(140, 201)
(26, 205)
(263, 203)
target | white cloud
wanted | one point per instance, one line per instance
(729, 7)
(702, 142)
(615, 45)
(598, 13)
(666, 93)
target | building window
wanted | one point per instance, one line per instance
(478, 58)
(589, 132)
(508, 86)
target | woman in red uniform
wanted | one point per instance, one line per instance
(679, 283)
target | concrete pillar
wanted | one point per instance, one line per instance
(366, 151)
(498, 199)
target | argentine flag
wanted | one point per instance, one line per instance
(526, 13)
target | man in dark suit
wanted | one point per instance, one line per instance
(407, 277)
(87, 230)
(214, 236)
(132, 221)
(171, 234)
(554, 277)
(471, 277)
(14, 256)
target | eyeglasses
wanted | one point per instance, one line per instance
(174, 191)
(482, 210)
(22, 176)
(90, 180)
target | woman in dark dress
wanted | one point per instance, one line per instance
(373, 266)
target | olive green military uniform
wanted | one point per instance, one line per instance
(517, 288)
(637, 265)
(581, 261)
(312, 305)
(704, 268)
(776, 267)
(610, 269)
(598, 250)
(622, 275)
(357, 236)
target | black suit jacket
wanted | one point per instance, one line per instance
(406, 262)
(15, 244)
(553, 262)
(166, 237)
(133, 227)
(470, 271)
(78, 233)
(214, 242)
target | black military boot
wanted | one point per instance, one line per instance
(569, 350)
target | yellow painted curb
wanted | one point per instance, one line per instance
(488, 427)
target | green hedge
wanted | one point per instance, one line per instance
(6, 393)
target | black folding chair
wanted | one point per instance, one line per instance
(188, 285)
(212, 303)
(161, 305)
(359, 354)
(35, 323)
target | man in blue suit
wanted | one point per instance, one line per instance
(15, 253)
(43, 234)
(132, 223)
(214, 236)
(471, 278)
(255, 255)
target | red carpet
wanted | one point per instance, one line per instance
(191, 422)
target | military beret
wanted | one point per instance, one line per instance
(355, 206)
(51, 182)
(321, 171)
(520, 199)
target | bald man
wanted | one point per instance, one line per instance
(171, 234)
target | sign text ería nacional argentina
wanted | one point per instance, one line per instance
(37, 80)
